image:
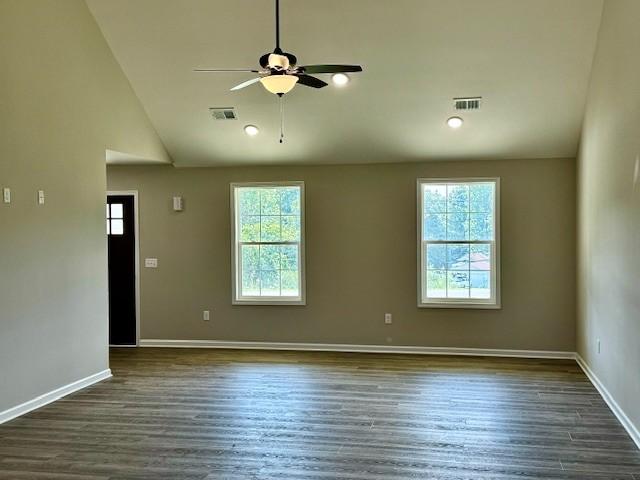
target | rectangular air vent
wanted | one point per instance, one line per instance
(468, 103)
(223, 113)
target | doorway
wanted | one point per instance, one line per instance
(122, 247)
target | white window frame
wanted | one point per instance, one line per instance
(490, 303)
(236, 264)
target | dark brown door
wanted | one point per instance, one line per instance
(122, 270)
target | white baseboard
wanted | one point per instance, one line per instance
(53, 395)
(339, 347)
(628, 425)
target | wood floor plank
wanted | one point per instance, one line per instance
(239, 415)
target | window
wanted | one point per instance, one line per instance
(115, 221)
(458, 243)
(268, 243)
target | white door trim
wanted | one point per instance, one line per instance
(136, 220)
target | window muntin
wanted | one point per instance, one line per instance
(115, 219)
(458, 242)
(268, 243)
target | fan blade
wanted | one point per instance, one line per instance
(222, 70)
(246, 84)
(331, 68)
(310, 81)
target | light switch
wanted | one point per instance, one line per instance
(6, 195)
(178, 204)
(151, 262)
(40, 197)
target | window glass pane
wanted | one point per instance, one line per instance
(481, 197)
(435, 227)
(289, 257)
(435, 198)
(481, 225)
(270, 283)
(250, 283)
(117, 227)
(269, 201)
(436, 257)
(250, 228)
(250, 257)
(437, 283)
(457, 226)
(269, 257)
(458, 284)
(116, 210)
(458, 257)
(480, 284)
(289, 281)
(457, 198)
(290, 228)
(248, 201)
(480, 257)
(270, 229)
(290, 200)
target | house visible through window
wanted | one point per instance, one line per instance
(268, 240)
(115, 219)
(458, 244)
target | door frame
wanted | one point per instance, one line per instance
(134, 194)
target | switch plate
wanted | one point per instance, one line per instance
(40, 197)
(151, 262)
(205, 315)
(388, 318)
(6, 195)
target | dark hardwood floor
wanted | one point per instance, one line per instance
(223, 414)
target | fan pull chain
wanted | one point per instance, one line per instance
(281, 119)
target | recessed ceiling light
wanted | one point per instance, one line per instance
(340, 79)
(455, 122)
(251, 130)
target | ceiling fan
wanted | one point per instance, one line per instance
(279, 71)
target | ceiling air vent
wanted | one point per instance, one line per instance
(223, 113)
(469, 103)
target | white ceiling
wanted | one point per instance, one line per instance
(529, 60)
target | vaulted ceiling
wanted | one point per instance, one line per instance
(529, 60)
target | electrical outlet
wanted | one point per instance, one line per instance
(40, 197)
(205, 315)
(598, 345)
(388, 318)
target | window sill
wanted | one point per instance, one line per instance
(473, 306)
(301, 303)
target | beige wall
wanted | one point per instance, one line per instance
(609, 210)
(361, 257)
(63, 101)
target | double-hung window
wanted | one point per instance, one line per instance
(268, 243)
(458, 243)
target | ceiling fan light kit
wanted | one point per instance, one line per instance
(279, 84)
